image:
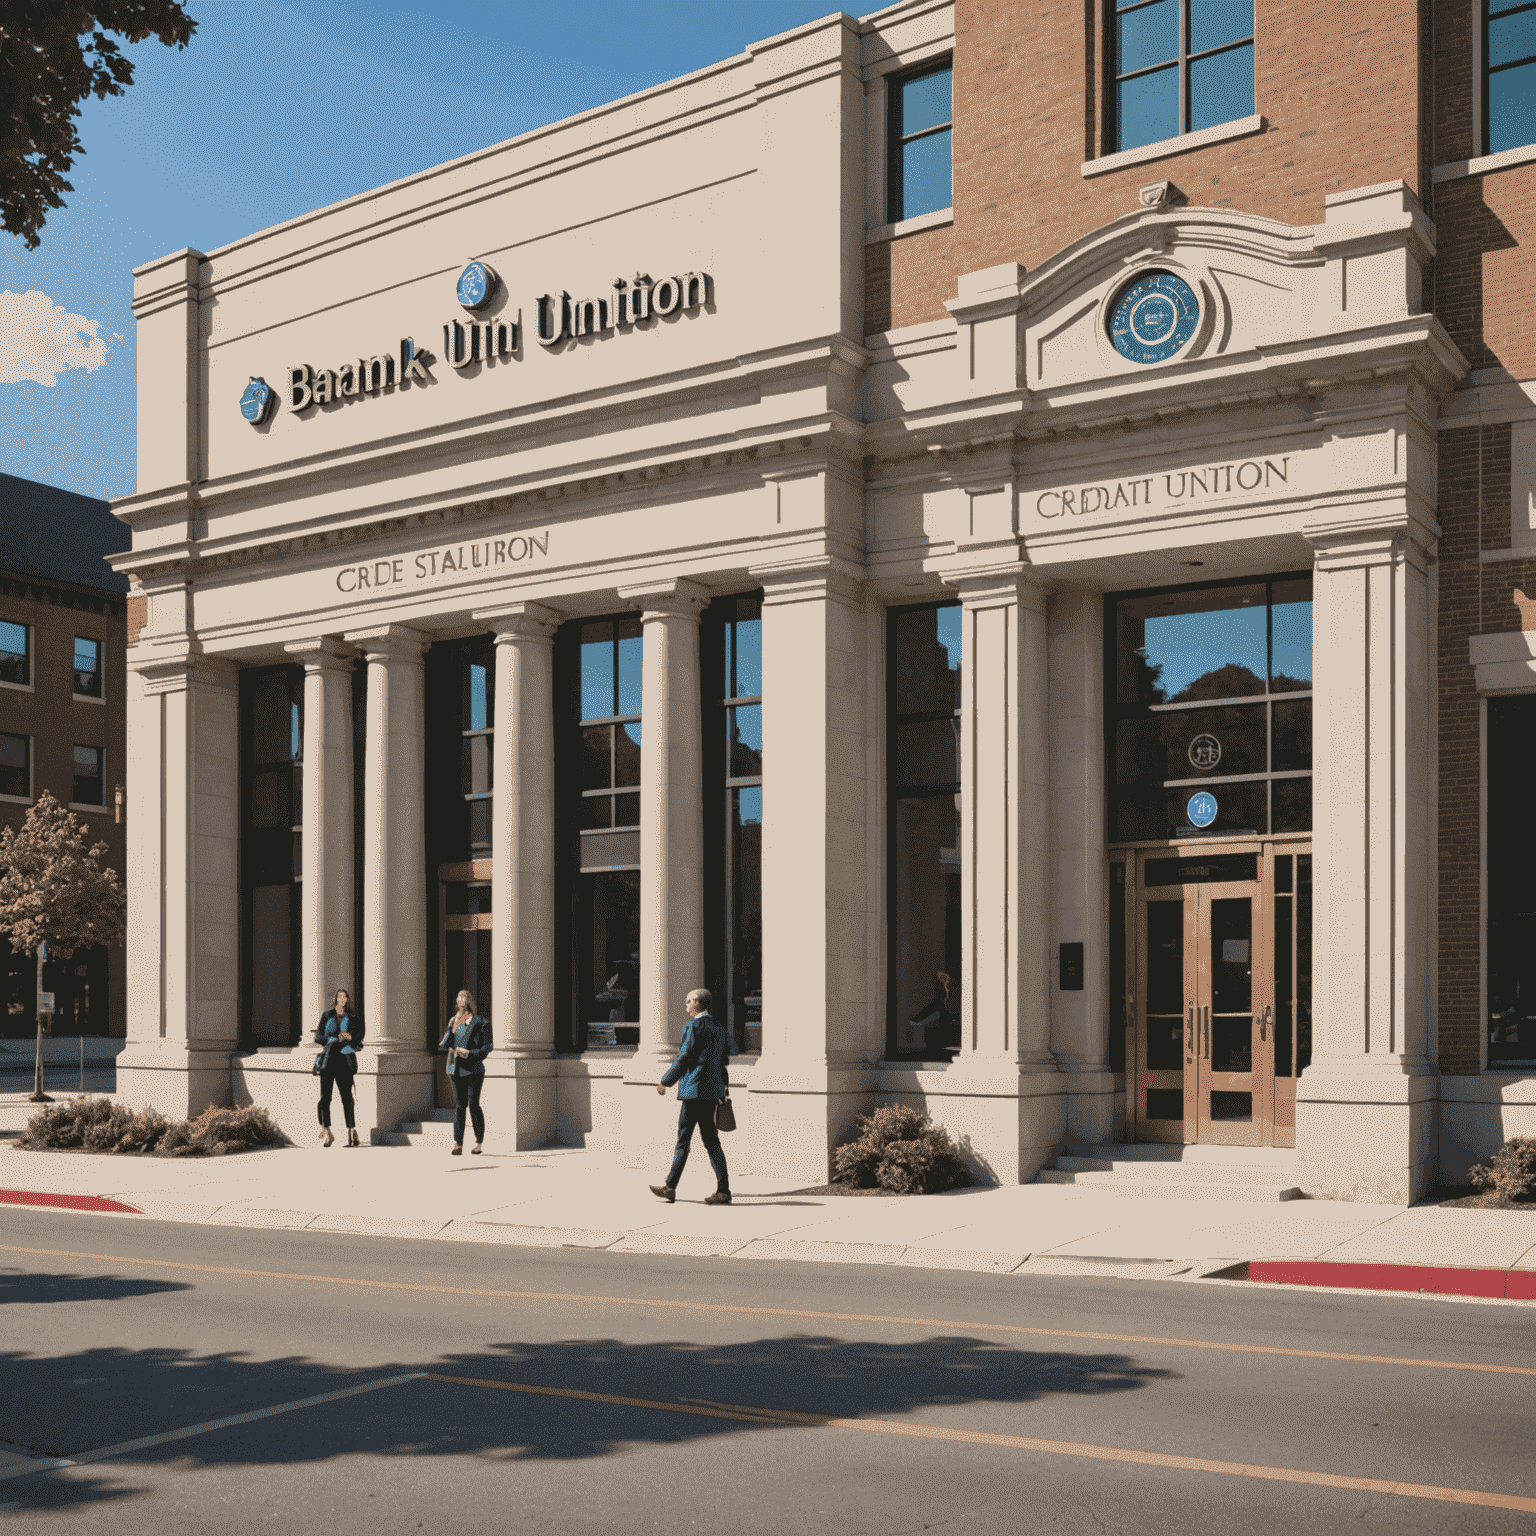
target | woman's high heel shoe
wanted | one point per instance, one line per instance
(325, 1136)
(352, 1140)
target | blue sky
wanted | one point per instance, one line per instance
(275, 109)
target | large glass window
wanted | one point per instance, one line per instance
(1210, 715)
(604, 670)
(919, 149)
(15, 765)
(923, 711)
(732, 684)
(1511, 891)
(1178, 66)
(87, 667)
(88, 776)
(15, 654)
(461, 722)
(271, 854)
(1509, 80)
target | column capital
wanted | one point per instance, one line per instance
(678, 598)
(994, 586)
(1384, 540)
(323, 654)
(809, 579)
(388, 642)
(175, 668)
(519, 621)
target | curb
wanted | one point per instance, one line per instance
(1432, 1279)
(68, 1202)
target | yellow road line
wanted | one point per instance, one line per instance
(1164, 1459)
(735, 1309)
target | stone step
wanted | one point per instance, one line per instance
(1163, 1152)
(1182, 1173)
(1152, 1185)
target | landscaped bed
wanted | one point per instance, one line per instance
(94, 1124)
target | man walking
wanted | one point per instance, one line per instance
(701, 1065)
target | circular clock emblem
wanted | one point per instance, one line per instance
(1201, 809)
(1205, 752)
(257, 401)
(477, 283)
(1153, 317)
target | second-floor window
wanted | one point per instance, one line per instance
(15, 654)
(1178, 66)
(1509, 86)
(918, 153)
(15, 765)
(87, 667)
(87, 789)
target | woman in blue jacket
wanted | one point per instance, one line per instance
(339, 1034)
(468, 1042)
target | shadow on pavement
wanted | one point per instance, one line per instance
(143, 1392)
(16, 1286)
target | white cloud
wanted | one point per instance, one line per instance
(39, 340)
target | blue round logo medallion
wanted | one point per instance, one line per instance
(257, 401)
(1201, 809)
(477, 285)
(1153, 318)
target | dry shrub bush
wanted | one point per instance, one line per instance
(99, 1125)
(901, 1150)
(1510, 1172)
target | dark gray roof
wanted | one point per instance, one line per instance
(59, 535)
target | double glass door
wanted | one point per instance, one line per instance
(1220, 1001)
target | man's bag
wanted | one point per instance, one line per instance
(725, 1116)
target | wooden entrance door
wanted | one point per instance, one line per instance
(1222, 995)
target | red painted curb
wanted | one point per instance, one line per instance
(1504, 1284)
(66, 1202)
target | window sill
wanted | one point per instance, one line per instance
(18, 687)
(1482, 165)
(15, 799)
(100, 810)
(1163, 148)
(882, 233)
(89, 698)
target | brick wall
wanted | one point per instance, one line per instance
(138, 616)
(1027, 115)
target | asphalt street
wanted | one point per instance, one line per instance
(565, 1390)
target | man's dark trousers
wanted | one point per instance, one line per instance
(701, 1113)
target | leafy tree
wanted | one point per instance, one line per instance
(54, 891)
(53, 54)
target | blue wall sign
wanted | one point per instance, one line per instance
(257, 401)
(477, 286)
(1153, 317)
(1202, 809)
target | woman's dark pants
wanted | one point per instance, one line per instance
(340, 1071)
(466, 1095)
(701, 1113)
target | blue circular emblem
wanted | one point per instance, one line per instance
(1201, 809)
(477, 285)
(257, 401)
(1153, 317)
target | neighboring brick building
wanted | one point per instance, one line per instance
(62, 716)
(1107, 431)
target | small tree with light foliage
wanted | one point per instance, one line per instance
(54, 891)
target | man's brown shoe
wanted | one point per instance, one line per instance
(720, 1197)
(664, 1192)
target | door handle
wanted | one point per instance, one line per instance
(1189, 1031)
(1264, 1019)
(1207, 1031)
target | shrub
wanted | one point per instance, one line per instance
(1510, 1172)
(900, 1150)
(100, 1125)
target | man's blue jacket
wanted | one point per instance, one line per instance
(701, 1060)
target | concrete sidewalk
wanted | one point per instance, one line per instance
(571, 1197)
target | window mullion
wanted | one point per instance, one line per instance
(1183, 66)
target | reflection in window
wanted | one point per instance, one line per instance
(1511, 892)
(87, 780)
(15, 765)
(272, 748)
(15, 653)
(1213, 693)
(461, 733)
(919, 147)
(87, 667)
(1179, 66)
(924, 652)
(1509, 94)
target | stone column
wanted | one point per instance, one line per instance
(523, 872)
(394, 982)
(183, 880)
(817, 1045)
(1079, 866)
(1365, 1108)
(1011, 1105)
(328, 924)
(671, 851)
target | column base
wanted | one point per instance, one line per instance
(790, 1120)
(1366, 1137)
(523, 1091)
(179, 1082)
(1009, 1124)
(1091, 1109)
(386, 1090)
(647, 1119)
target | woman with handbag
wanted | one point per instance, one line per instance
(339, 1034)
(468, 1042)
